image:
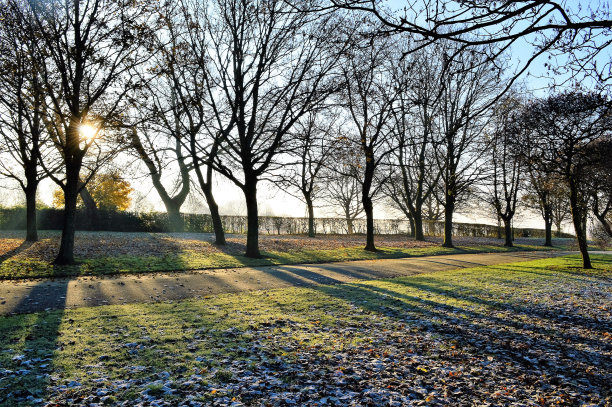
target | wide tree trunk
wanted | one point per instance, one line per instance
(418, 226)
(449, 209)
(508, 232)
(175, 219)
(31, 229)
(250, 195)
(71, 193)
(309, 205)
(579, 221)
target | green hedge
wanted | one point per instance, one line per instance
(51, 219)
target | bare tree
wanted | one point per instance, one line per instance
(579, 34)
(314, 141)
(561, 131)
(599, 179)
(414, 131)
(88, 48)
(271, 67)
(505, 179)
(343, 184)
(159, 151)
(469, 87)
(369, 96)
(21, 103)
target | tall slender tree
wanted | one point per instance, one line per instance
(21, 102)
(369, 96)
(470, 85)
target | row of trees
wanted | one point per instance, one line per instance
(271, 90)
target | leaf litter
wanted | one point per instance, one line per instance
(515, 335)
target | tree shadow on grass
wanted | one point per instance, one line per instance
(533, 342)
(14, 252)
(28, 343)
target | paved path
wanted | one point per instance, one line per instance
(38, 295)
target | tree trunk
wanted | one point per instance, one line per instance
(250, 195)
(206, 186)
(311, 228)
(508, 232)
(31, 229)
(175, 220)
(605, 224)
(579, 220)
(412, 227)
(449, 208)
(215, 216)
(349, 225)
(558, 227)
(369, 212)
(418, 226)
(91, 209)
(66, 250)
(548, 230)
(499, 233)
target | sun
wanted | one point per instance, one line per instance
(88, 131)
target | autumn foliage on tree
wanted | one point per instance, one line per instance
(109, 191)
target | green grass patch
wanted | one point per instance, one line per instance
(18, 268)
(104, 346)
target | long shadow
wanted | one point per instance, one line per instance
(23, 246)
(28, 344)
(433, 285)
(474, 315)
(486, 334)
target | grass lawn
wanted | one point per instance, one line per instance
(531, 333)
(115, 253)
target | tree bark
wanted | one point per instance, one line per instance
(206, 186)
(508, 232)
(418, 226)
(71, 193)
(548, 230)
(579, 221)
(215, 216)
(175, 220)
(368, 208)
(309, 205)
(250, 195)
(449, 208)
(31, 229)
(412, 227)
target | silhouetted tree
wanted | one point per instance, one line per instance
(272, 66)
(86, 50)
(369, 96)
(21, 102)
(561, 130)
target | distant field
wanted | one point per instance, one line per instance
(528, 333)
(114, 253)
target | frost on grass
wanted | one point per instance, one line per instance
(535, 333)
